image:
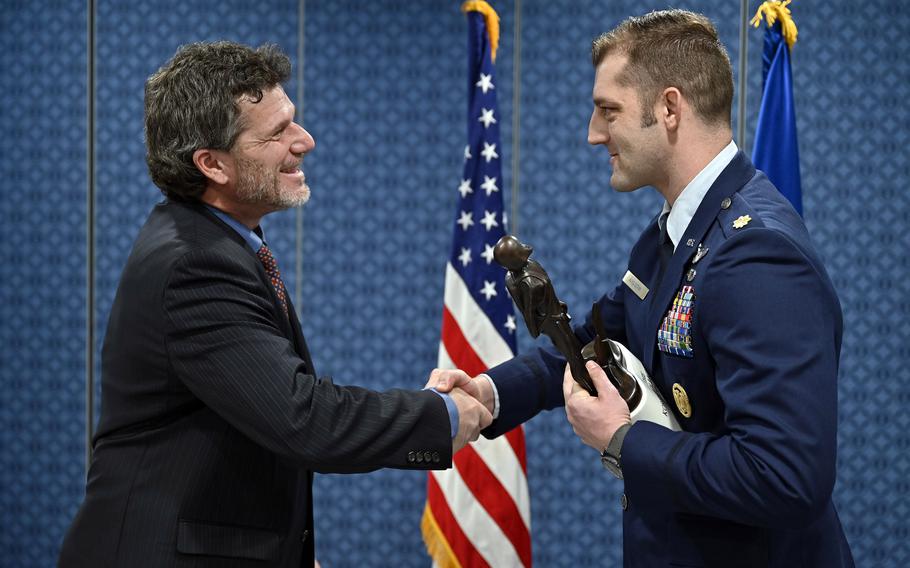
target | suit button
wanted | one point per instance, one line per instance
(623, 502)
(419, 457)
(411, 457)
(427, 457)
(304, 536)
(435, 457)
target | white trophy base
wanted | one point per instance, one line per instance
(652, 406)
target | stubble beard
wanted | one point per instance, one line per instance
(258, 186)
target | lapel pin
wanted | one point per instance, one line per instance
(741, 222)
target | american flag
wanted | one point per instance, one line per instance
(478, 512)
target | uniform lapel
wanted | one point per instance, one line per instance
(737, 173)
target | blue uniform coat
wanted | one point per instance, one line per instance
(751, 340)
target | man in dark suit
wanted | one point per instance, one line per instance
(729, 307)
(212, 416)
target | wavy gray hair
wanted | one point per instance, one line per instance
(192, 103)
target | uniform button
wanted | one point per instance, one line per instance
(419, 457)
(411, 457)
(725, 204)
(427, 457)
(435, 457)
(623, 502)
(304, 536)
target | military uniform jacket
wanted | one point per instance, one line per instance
(742, 336)
(212, 418)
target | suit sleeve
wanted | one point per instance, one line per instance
(772, 324)
(224, 345)
(531, 383)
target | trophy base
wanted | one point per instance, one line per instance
(651, 406)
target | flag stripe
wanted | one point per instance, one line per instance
(477, 327)
(458, 542)
(516, 439)
(509, 472)
(494, 498)
(458, 348)
(475, 522)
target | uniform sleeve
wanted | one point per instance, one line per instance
(223, 344)
(773, 326)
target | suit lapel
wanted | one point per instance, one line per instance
(290, 327)
(737, 173)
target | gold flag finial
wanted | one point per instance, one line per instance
(492, 19)
(773, 10)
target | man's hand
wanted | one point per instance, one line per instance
(594, 418)
(472, 418)
(444, 380)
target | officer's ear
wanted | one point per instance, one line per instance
(669, 108)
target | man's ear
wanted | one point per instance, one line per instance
(670, 107)
(212, 164)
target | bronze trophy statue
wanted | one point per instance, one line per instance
(532, 290)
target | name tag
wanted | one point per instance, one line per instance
(635, 284)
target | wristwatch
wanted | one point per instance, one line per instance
(611, 457)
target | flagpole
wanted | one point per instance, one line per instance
(516, 119)
(743, 67)
(298, 213)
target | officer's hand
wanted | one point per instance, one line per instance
(472, 418)
(594, 418)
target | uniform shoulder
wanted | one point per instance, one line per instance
(759, 205)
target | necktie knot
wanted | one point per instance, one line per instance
(271, 269)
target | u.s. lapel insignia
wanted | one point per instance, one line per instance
(700, 253)
(741, 222)
(682, 400)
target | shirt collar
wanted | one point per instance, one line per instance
(691, 197)
(253, 239)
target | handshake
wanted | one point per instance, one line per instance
(473, 398)
(594, 419)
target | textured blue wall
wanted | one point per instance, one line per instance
(42, 275)
(384, 96)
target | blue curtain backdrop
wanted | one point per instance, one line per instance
(383, 93)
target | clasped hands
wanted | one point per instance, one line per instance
(474, 413)
(594, 419)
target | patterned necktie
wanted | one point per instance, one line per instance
(271, 268)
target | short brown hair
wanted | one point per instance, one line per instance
(672, 48)
(192, 103)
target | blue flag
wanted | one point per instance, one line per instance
(775, 150)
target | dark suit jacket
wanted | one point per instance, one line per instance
(748, 481)
(212, 418)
